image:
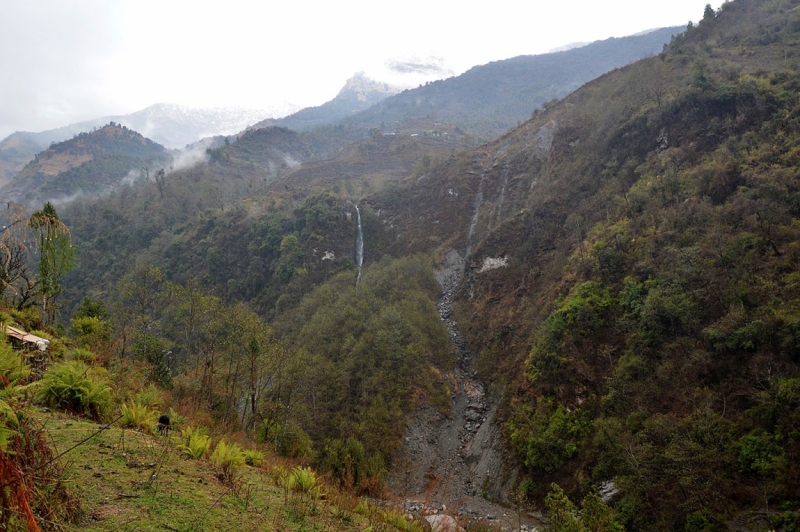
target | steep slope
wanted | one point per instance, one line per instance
(629, 257)
(90, 163)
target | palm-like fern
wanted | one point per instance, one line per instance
(77, 387)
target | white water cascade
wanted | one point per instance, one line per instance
(359, 246)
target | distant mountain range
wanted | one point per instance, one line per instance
(172, 126)
(359, 94)
(488, 100)
(485, 102)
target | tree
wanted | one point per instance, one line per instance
(161, 181)
(594, 516)
(56, 256)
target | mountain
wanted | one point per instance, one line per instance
(89, 163)
(359, 93)
(16, 151)
(605, 297)
(172, 126)
(489, 99)
(486, 100)
(625, 263)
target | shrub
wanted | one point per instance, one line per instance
(56, 348)
(150, 397)
(196, 444)
(91, 331)
(304, 481)
(76, 387)
(84, 355)
(12, 367)
(227, 458)
(548, 435)
(253, 457)
(138, 415)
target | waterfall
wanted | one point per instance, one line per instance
(476, 211)
(359, 245)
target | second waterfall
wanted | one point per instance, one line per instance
(359, 246)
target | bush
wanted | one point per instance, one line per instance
(547, 436)
(227, 458)
(76, 387)
(138, 415)
(304, 481)
(195, 443)
(91, 332)
(12, 367)
(150, 397)
(84, 355)
(253, 458)
(352, 469)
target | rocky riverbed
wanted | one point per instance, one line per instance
(454, 464)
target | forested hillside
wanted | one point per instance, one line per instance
(642, 318)
(608, 292)
(87, 164)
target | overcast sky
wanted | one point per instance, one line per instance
(64, 61)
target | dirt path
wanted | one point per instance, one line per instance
(454, 463)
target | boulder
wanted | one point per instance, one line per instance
(443, 523)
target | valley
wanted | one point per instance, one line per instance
(498, 301)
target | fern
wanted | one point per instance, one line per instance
(13, 368)
(138, 415)
(304, 480)
(196, 444)
(76, 387)
(253, 457)
(9, 424)
(227, 458)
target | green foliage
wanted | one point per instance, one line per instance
(84, 355)
(13, 368)
(227, 458)
(563, 516)
(547, 436)
(196, 443)
(576, 320)
(253, 457)
(91, 309)
(56, 256)
(304, 481)
(76, 387)
(759, 453)
(9, 425)
(139, 416)
(90, 331)
(370, 350)
(352, 468)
